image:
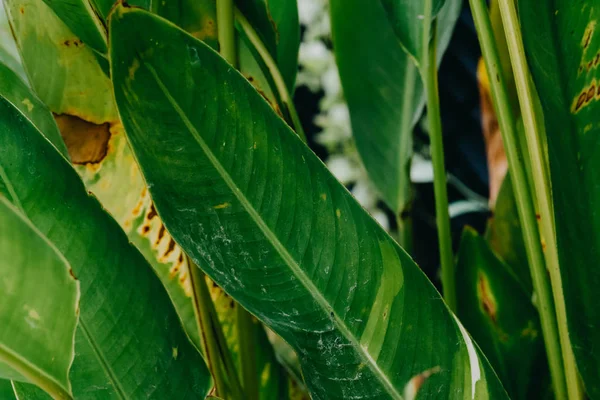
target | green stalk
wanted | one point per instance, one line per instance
(271, 65)
(534, 144)
(203, 308)
(442, 216)
(226, 15)
(37, 377)
(226, 31)
(523, 196)
(246, 330)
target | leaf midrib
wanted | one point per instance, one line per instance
(279, 247)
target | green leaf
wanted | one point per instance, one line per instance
(276, 22)
(505, 236)
(9, 55)
(498, 312)
(79, 16)
(26, 391)
(411, 21)
(98, 147)
(77, 84)
(258, 211)
(562, 41)
(129, 342)
(13, 89)
(39, 308)
(383, 89)
(6, 390)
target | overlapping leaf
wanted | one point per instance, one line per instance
(497, 311)
(562, 41)
(259, 212)
(383, 89)
(129, 342)
(40, 303)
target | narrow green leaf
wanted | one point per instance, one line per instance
(498, 312)
(129, 343)
(39, 308)
(276, 22)
(9, 55)
(13, 89)
(411, 20)
(383, 89)
(505, 236)
(259, 212)
(80, 17)
(562, 42)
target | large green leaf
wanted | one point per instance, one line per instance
(383, 89)
(129, 343)
(562, 42)
(39, 307)
(498, 312)
(96, 143)
(260, 213)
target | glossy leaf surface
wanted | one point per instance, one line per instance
(129, 342)
(319, 271)
(498, 312)
(383, 90)
(562, 42)
(40, 305)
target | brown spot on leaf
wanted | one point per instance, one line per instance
(170, 248)
(161, 234)
(488, 303)
(72, 274)
(87, 142)
(152, 213)
(22, 10)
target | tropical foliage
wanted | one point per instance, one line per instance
(167, 233)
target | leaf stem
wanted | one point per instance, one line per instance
(226, 31)
(246, 330)
(33, 375)
(203, 310)
(442, 215)
(280, 85)
(523, 196)
(534, 144)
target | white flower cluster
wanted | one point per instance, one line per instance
(318, 71)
